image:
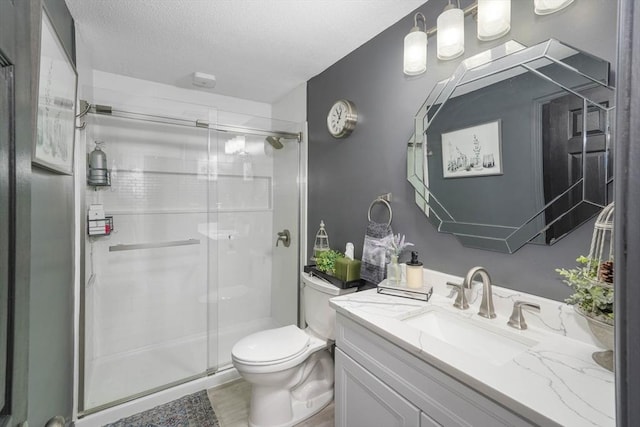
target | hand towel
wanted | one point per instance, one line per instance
(377, 240)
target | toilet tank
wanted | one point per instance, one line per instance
(320, 317)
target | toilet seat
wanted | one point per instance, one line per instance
(274, 349)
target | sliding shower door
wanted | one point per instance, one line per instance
(255, 196)
(147, 281)
(192, 262)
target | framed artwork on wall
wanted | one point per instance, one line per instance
(53, 147)
(473, 151)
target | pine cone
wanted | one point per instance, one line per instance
(606, 272)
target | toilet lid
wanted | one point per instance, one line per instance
(271, 345)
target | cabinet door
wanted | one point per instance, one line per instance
(363, 400)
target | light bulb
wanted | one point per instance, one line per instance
(415, 52)
(494, 19)
(450, 33)
(545, 7)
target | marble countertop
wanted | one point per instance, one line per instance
(555, 381)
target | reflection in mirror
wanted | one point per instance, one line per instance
(515, 146)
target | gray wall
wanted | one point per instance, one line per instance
(17, 45)
(43, 252)
(346, 175)
(51, 301)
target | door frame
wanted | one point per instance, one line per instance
(9, 80)
(627, 232)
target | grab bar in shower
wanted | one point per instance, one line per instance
(155, 245)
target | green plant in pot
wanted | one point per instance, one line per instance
(326, 261)
(593, 299)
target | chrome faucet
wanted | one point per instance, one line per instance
(486, 305)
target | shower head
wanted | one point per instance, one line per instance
(274, 141)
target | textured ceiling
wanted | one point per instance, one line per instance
(257, 49)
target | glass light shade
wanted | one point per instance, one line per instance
(494, 19)
(545, 7)
(450, 34)
(415, 52)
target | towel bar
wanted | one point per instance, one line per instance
(154, 245)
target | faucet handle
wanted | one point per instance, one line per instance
(461, 299)
(284, 236)
(517, 318)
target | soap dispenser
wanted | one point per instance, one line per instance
(97, 172)
(414, 272)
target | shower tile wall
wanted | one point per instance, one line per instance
(156, 316)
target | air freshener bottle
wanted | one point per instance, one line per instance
(414, 272)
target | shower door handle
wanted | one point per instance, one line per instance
(285, 237)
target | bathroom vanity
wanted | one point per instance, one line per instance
(406, 362)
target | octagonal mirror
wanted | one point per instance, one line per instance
(515, 147)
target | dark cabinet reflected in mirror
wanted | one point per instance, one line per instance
(515, 146)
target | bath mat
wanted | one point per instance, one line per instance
(193, 410)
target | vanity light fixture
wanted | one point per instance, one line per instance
(494, 19)
(545, 7)
(450, 27)
(415, 48)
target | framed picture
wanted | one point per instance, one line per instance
(56, 104)
(473, 151)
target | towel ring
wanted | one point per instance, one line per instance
(381, 200)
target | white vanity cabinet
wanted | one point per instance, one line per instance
(367, 401)
(380, 384)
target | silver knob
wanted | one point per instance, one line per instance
(284, 236)
(517, 318)
(461, 299)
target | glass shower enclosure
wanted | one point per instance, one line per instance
(189, 260)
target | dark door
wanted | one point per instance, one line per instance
(563, 154)
(6, 223)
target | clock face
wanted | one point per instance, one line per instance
(342, 118)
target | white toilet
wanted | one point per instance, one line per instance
(290, 369)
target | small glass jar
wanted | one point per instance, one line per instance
(394, 272)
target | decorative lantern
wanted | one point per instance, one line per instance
(601, 251)
(322, 242)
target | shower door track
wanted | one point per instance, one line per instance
(110, 111)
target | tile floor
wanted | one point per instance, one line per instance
(231, 404)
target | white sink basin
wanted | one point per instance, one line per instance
(479, 340)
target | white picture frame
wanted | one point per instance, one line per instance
(472, 151)
(55, 135)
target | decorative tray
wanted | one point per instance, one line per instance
(401, 290)
(311, 269)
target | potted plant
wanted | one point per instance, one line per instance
(593, 299)
(326, 261)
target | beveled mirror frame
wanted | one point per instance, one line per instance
(504, 59)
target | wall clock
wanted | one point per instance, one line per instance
(342, 118)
